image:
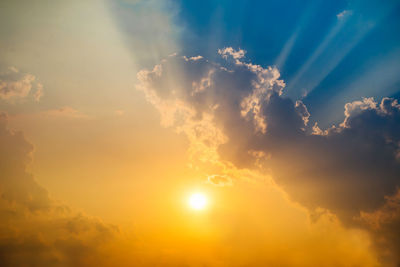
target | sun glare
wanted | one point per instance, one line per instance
(197, 201)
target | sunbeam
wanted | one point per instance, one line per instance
(199, 133)
(293, 82)
(287, 48)
(380, 77)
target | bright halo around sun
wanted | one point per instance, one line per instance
(198, 201)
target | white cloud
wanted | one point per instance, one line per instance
(229, 51)
(344, 14)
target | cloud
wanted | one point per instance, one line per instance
(191, 58)
(357, 107)
(66, 112)
(34, 228)
(219, 180)
(239, 119)
(229, 51)
(303, 111)
(344, 14)
(385, 224)
(39, 92)
(16, 85)
(356, 160)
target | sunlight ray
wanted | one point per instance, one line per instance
(288, 47)
(320, 49)
(337, 58)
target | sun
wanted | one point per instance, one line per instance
(198, 201)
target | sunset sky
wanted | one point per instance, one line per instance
(224, 133)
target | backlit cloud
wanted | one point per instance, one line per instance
(349, 169)
(219, 180)
(15, 85)
(66, 112)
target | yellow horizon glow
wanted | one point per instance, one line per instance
(198, 201)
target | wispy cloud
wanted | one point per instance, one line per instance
(65, 112)
(17, 85)
(344, 14)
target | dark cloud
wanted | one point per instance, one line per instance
(349, 169)
(36, 230)
(385, 225)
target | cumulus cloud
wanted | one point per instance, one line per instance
(385, 224)
(15, 85)
(355, 161)
(36, 230)
(303, 111)
(229, 51)
(239, 117)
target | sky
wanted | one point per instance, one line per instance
(199, 133)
